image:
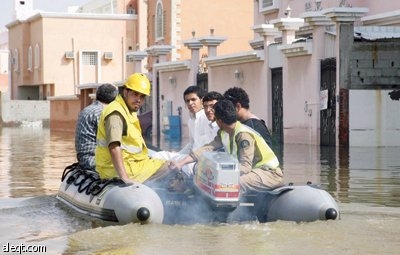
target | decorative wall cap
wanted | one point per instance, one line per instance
(345, 14)
(232, 59)
(137, 55)
(288, 23)
(157, 50)
(70, 97)
(383, 19)
(266, 30)
(173, 66)
(296, 49)
(193, 44)
(212, 40)
(88, 86)
(257, 44)
(316, 19)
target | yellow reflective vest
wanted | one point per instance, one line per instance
(138, 165)
(268, 157)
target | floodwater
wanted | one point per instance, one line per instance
(364, 181)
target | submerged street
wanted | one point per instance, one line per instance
(364, 181)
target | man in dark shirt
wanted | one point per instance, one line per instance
(240, 99)
(86, 126)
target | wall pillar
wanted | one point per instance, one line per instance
(137, 57)
(318, 22)
(268, 32)
(288, 27)
(194, 45)
(159, 52)
(344, 18)
(212, 42)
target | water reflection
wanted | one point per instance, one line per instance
(351, 175)
(32, 160)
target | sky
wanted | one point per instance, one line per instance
(7, 6)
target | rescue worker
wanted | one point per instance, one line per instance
(121, 150)
(258, 165)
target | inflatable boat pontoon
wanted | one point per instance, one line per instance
(214, 197)
(109, 200)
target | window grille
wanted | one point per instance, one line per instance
(89, 58)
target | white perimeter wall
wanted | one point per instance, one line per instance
(23, 111)
(374, 118)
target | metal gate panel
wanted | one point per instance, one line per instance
(328, 116)
(277, 111)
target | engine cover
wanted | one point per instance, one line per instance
(217, 178)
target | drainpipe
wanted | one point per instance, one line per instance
(123, 58)
(74, 67)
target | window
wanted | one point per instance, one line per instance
(267, 3)
(89, 58)
(129, 59)
(159, 29)
(37, 56)
(130, 9)
(269, 6)
(30, 58)
(15, 60)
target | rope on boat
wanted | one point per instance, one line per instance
(90, 183)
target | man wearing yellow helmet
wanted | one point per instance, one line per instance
(121, 150)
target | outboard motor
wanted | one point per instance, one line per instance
(217, 179)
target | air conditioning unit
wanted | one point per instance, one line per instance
(108, 55)
(69, 55)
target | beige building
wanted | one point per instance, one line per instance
(53, 53)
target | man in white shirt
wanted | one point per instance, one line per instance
(198, 125)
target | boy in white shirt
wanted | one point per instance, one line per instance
(209, 100)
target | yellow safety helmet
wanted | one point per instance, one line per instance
(138, 82)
